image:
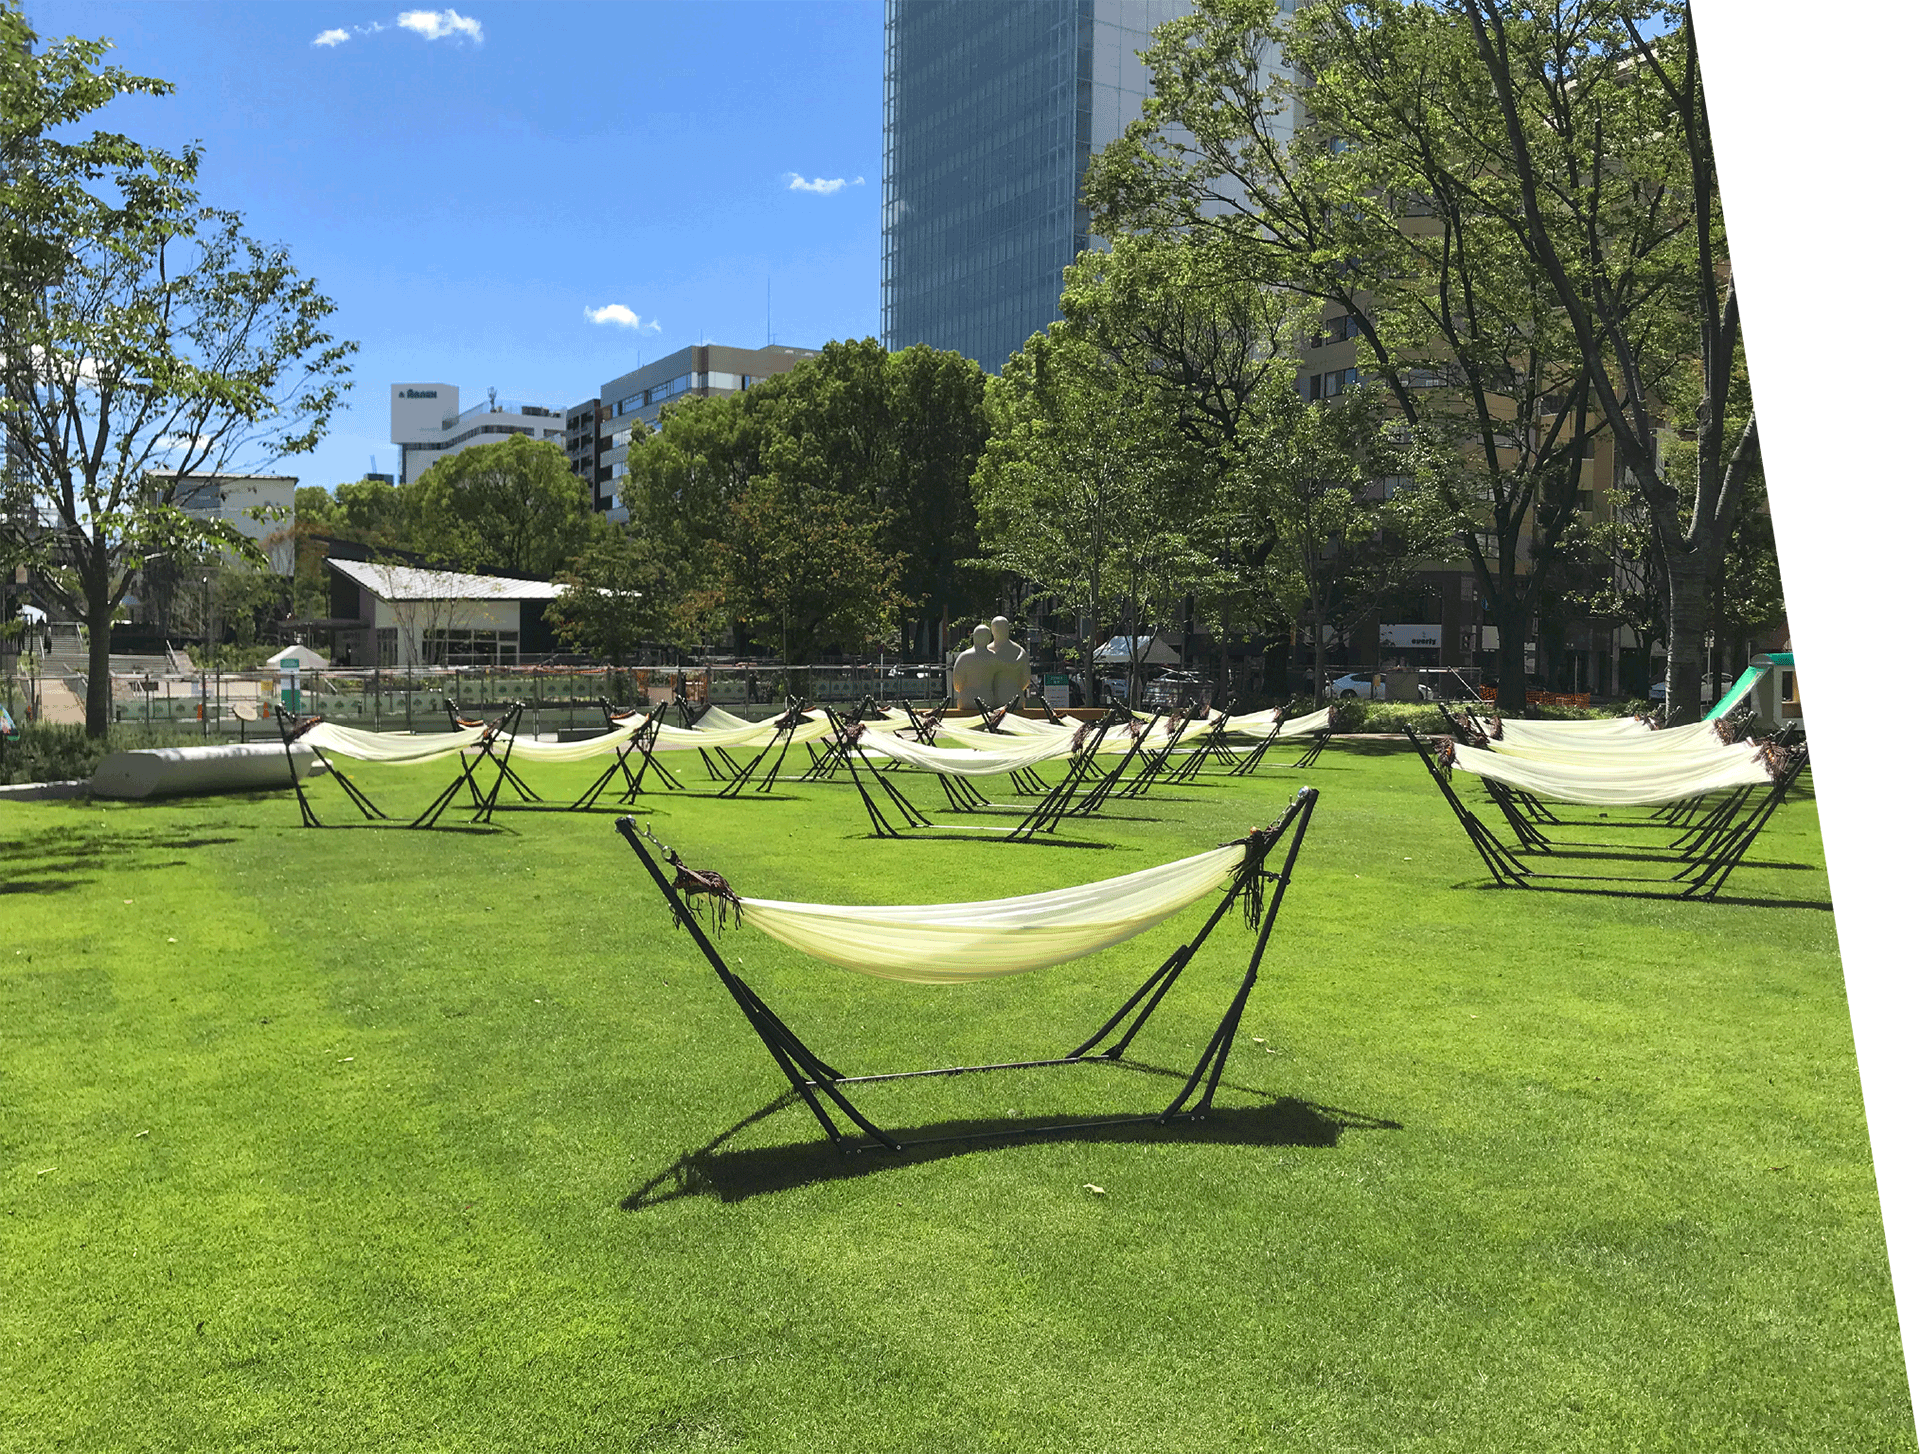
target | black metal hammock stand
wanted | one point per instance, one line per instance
(690, 714)
(486, 750)
(1247, 763)
(784, 726)
(514, 780)
(878, 791)
(1256, 887)
(1707, 853)
(643, 739)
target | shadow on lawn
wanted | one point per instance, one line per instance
(733, 1176)
(57, 854)
(1671, 895)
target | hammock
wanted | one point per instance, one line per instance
(1708, 851)
(1631, 733)
(390, 746)
(1618, 782)
(954, 943)
(951, 943)
(1006, 755)
(753, 734)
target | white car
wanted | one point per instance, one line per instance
(1357, 684)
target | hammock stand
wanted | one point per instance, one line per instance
(1211, 748)
(1708, 853)
(645, 734)
(819, 1084)
(527, 794)
(1157, 759)
(785, 725)
(691, 715)
(1024, 779)
(292, 729)
(1316, 744)
(1044, 817)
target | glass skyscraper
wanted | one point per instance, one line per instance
(993, 109)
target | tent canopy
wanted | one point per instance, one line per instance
(304, 658)
(1122, 651)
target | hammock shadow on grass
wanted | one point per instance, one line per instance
(732, 1176)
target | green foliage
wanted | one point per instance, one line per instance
(893, 438)
(57, 752)
(619, 590)
(513, 506)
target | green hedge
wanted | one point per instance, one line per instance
(55, 752)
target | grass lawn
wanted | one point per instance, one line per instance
(365, 1139)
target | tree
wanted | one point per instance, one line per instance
(1372, 203)
(1332, 539)
(143, 338)
(619, 590)
(805, 567)
(514, 506)
(1607, 180)
(1079, 486)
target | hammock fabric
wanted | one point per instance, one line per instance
(753, 734)
(943, 943)
(391, 746)
(1616, 783)
(1008, 754)
(955, 943)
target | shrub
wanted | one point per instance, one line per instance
(57, 752)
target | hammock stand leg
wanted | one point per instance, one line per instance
(1096, 795)
(744, 775)
(618, 765)
(1317, 746)
(1246, 765)
(650, 758)
(360, 799)
(1528, 836)
(1058, 802)
(1713, 874)
(469, 764)
(881, 825)
(1700, 838)
(308, 818)
(808, 1074)
(1507, 870)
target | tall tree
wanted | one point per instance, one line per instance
(619, 591)
(143, 338)
(1359, 204)
(1604, 170)
(515, 505)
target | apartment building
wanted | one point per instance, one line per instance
(428, 424)
(699, 371)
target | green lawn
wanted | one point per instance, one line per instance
(366, 1139)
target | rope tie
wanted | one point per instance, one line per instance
(690, 881)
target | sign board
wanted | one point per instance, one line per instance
(1412, 634)
(1058, 693)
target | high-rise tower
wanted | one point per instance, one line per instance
(993, 110)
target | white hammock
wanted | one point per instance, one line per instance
(1582, 731)
(1259, 724)
(1614, 784)
(716, 719)
(753, 734)
(1623, 753)
(389, 746)
(526, 747)
(1005, 756)
(953, 943)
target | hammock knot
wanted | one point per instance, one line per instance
(849, 735)
(690, 881)
(1727, 732)
(1494, 729)
(794, 717)
(1443, 751)
(1779, 761)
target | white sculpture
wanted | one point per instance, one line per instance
(973, 669)
(1010, 671)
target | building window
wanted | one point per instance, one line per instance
(462, 647)
(387, 646)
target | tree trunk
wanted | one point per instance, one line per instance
(1511, 618)
(1687, 618)
(1319, 659)
(99, 675)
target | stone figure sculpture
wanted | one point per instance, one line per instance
(973, 668)
(1010, 671)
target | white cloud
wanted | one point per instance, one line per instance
(340, 35)
(623, 316)
(859, 181)
(438, 24)
(819, 186)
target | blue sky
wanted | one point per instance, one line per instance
(467, 200)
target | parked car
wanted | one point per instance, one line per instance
(1360, 684)
(1658, 691)
(1172, 690)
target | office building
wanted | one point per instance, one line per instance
(993, 110)
(699, 371)
(260, 507)
(428, 424)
